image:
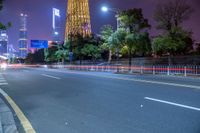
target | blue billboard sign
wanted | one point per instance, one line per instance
(39, 44)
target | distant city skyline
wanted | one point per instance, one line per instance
(40, 16)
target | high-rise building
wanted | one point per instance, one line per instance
(23, 41)
(12, 52)
(56, 22)
(78, 18)
(3, 42)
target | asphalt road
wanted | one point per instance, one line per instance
(59, 101)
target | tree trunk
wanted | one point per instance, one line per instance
(130, 59)
(80, 58)
(63, 60)
(169, 60)
(110, 56)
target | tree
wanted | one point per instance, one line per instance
(1, 4)
(172, 14)
(37, 57)
(50, 54)
(106, 32)
(117, 39)
(135, 25)
(132, 45)
(133, 20)
(2, 26)
(144, 47)
(92, 51)
(78, 44)
(177, 42)
(61, 55)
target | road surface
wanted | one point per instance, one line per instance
(57, 101)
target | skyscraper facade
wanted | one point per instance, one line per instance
(3, 42)
(23, 41)
(78, 18)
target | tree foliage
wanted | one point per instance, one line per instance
(175, 39)
(1, 4)
(135, 25)
(172, 14)
(178, 42)
(3, 26)
(106, 32)
(61, 55)
(92, 51)
(85, 42)
(117, 39)
(50, 55)
(133, 20)
(37, 57)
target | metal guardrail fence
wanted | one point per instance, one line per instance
(189, 70)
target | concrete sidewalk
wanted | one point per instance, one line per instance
(7, 123)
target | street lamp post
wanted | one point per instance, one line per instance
(116, 11)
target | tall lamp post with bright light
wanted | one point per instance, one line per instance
(116, 11)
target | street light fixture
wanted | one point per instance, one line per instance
(104, 9)
(116, 11)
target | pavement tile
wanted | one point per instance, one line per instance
(1, 129)
(1, 101)
(10, 129)
(7, 118)
(4, 108)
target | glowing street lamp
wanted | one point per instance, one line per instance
(104, 9)
(114, 10)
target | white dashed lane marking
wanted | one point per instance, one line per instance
(172, 103)
(49, 76)
(2, 80)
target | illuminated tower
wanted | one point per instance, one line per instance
(23, 42)
(78, 18)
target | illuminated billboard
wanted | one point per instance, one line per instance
(56, 18)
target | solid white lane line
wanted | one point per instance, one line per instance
(50, 76)
(166, 83)
(136, 80)
(146, 81)
(172, 103)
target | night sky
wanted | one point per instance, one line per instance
(40, 15)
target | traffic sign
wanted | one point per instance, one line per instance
(39, 44)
